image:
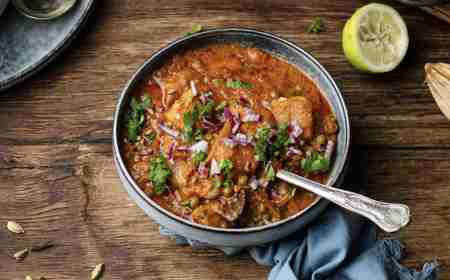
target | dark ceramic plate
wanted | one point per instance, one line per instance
(27, 45)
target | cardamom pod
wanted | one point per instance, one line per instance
(14, 227)
(438, 80)
(41, 246)
(20, 255)
(98, 271)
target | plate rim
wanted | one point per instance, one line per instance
(52, 54)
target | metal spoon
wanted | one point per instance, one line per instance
(388, 216)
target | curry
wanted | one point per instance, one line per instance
(206, 133)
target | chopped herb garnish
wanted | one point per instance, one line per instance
(217, 183)
(187, 204)
(236, 84)
(262, 144)
(206, 109)
(198, 135)
(159, 173)
(315, 163)
(225, 166)
(264, 150)
(270, 174)
(194, 29)
(218, 82)
(199, 157)
(227, 183)
(136, 117)
(282, 140)
(221, 106)
(316, 26)
(189, 120)
(150, 138)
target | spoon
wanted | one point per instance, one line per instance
(388, 216)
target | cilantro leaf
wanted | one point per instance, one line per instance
(236, 84)
(150, 138)
(225, 166)
(206, 109)
(194, 29)
(199, 157)
(315, 163)
(189, 120)
(316, 26)
(136, 117)
(281, 141)
(262, 144)
(159, 173)
(270, 173)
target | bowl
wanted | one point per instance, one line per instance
(3, 4)
(275, 46)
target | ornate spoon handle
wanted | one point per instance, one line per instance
(388, 216)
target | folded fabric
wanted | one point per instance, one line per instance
(338, 245)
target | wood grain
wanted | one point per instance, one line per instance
(56, 169)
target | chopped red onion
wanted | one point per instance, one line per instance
(171, 132)
(229, 142)
(251, 116)
(264, 183)
(228, 114)
(295, 129)
(209, 125)
(177, 195)
(253, 183)
(200, 146)
(329, 149)
(215, 170)
(293, 151)
(244, 100)
(193, 89)
(202, 170)
(233, 119)
(171, 149)
(235, 127)
(242, 139)
(183, 148)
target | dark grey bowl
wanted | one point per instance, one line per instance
(246, 236)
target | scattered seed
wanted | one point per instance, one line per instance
(14, 227)
(42, 278)
(98, 271)
(41, 246)
(20, 255)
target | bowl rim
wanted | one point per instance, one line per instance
(217, 32)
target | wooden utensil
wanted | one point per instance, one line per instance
(438, 80)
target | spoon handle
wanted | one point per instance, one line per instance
(388, 216)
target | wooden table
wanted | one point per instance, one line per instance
(57, 175)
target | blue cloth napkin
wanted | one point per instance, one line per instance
(339, 245)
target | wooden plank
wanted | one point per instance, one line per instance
(441, 11)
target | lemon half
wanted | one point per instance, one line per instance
(375, 39)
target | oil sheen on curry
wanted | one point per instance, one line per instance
(206, 133)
